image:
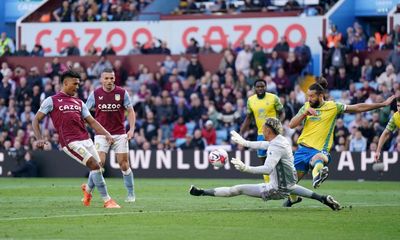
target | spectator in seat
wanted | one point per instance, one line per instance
(198, 140)
(282, 82)
(150, 128)
(336, 56)
(388, 77)
(206, 49)
(108, 50)
(209, 133)
(243, 59)
(70, 50)
(22, 52)
(90, 17)
(358, 143)
(195, 68)
(378, 68)
(342, 82)
(303, 53)
(193, 47)
(27, 169)
(63, 14)
(105, 6)
(388, 44)
(331, 78)
(334, 38)
(37, 51)
(130, 13)
(354, 70)
(282, 45)
(292, 5)
(394, 58)
(258, 60)
(188, 144)
(179, 130)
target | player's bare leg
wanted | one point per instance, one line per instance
(97, 178)
(102, 156)
(127, 175)
(90, 185)
(320, 171)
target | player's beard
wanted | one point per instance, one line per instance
(315, 104)
(261, 96)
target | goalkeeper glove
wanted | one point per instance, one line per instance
(239, 139)
(239, 165)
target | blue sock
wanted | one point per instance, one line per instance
(128, 181)
(100, 183)
(90, 184)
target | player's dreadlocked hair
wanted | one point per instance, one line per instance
(319, 86)
(69, 74)
(274, 124)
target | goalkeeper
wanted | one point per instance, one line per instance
(279, 165)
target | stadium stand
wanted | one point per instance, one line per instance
(208, 86)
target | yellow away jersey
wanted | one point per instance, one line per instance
(394, 122)
(263, 108)
(318, 130)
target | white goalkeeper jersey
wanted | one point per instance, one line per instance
(279, 163)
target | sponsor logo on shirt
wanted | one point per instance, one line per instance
(109, 106)
(70, 107)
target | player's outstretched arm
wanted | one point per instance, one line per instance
(382, 140)
(36, 129)
(93, 123)
(236, 138)
(270, 163)
(364, 107)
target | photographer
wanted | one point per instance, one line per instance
(27, 169)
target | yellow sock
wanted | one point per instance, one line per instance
(293, 198)
(317, 166)
(266, 178)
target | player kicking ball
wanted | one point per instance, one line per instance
(69, 114)
(278, 165)
(110, 102)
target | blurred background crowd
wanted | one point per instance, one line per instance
(183, 105)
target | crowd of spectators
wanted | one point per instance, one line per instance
(238, 6)
(97, 10)
(183, 105)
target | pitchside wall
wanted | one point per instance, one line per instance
(194, 164)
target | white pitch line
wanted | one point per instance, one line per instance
(179, 211)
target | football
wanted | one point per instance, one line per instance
(218, 157)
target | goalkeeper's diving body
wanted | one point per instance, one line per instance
(279, 165)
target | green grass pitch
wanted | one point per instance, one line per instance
(51, 209)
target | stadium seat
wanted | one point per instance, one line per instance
(374, 85)
(347, 119)
(335, 94)
(358, 85)
(190, 127)
(180, 141)
(222, 135)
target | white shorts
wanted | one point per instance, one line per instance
(81, 151)
(273, 192)
(119, 146)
